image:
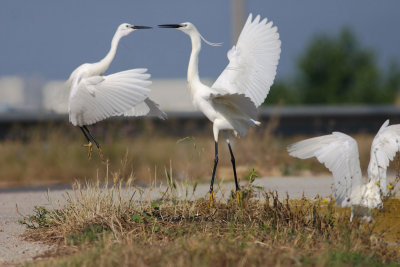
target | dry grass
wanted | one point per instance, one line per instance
(118, 225)
(54, 155)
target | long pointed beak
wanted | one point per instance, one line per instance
(175, 26)
(141, 27)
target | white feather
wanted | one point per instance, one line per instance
(384, 147)
(252, 62)
(237, 109)
(339, 153)
(146, 108)
(99, 97)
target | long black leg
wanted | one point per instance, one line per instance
(215, 167)
(84, 133)
(234, 167)
(91, 136)
(87, 134)
(212, 196)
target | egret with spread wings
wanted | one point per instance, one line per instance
(95, 97)
(231, 102)
(339, 153)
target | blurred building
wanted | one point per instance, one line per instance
(11, 93)
(55, 97)
(33, 95)
(21, 94)
(173, 95)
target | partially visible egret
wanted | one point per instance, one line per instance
(339, 153)
(94, 97)
(231, 102)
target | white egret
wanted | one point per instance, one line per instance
(339, 153)
(231, 102)
(94, 97)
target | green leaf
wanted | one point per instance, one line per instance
(156, 204)
(136, 218)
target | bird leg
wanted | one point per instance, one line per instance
(238, 195)
(212, 196)
(211, 199)
(89, 144)
(84, 128)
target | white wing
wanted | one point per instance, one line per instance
(147, 107)
(339, 153)
(384, 147)
(237, 109)
(99, 97)
(253, 61)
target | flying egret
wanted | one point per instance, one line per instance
(339, 153)
(231, 102)
(94, 97)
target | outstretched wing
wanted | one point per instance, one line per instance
(99, 97)
(253, 61)
(147, 108)
(384, 147)
(339, 153)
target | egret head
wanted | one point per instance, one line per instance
(189, 29)
(126, 28)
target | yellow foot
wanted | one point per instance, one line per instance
(211, 200)
(90, 149)
(238, 197)
(101, 154)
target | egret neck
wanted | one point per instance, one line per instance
(193, 69)
(106, 61)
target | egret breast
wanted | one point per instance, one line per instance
(205, 107)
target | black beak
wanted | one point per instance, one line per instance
(175, 26)
(141, 27)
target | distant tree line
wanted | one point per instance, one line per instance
(337, 70)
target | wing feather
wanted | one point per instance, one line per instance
(237, 109)
(99, 97)
(384, 147)
(339, 153)
(147, 108)
(253, 61)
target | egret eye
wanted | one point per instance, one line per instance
(127, 26)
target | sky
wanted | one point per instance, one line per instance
(49, 39)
